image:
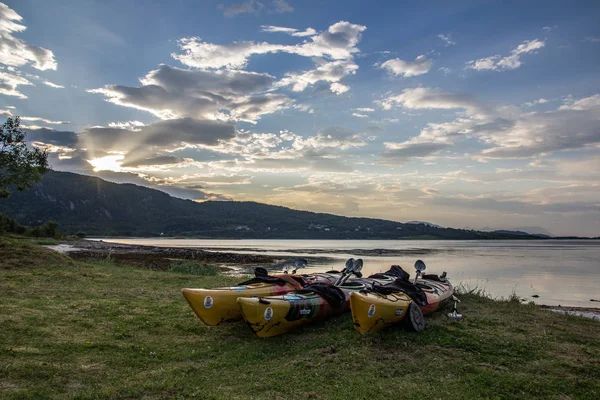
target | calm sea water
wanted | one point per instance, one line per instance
(559, 272)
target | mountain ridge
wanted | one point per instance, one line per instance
(98, 207)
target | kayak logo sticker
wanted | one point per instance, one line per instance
(398, 312)
(268, 313)
(305, 311)
(371, 310)
(208, 302)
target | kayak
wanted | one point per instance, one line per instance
(378, 307)
(275, 315)
(215, 306)
(372, 312)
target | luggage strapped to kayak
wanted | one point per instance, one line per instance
(400, 284)
(332, 294)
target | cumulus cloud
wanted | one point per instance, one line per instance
(337, 43)
(396, 66)
(170, 92)
(513, 61)
(15, 52)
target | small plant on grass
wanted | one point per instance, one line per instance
(185, 267)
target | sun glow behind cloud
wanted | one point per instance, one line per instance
(107, 163)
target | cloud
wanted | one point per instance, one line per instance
(132, 125)
(8, 113)
(505, 131)
(535, 102)
(513, 206)
(151, 161)
(592, 39)
(9, 83)
(248, 7)
(280, 7)
(427, 98)
(513, 61)
(53, 85)
(337, 43)
(401, 152)
(447, 39)
(15, 52)
(256, 7)
(289, 31)
(166, 135)
(574, 125)
(170, 92)
(333, 72)
(396, 66)
(358, 115)
(60, 139)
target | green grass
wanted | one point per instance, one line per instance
(74, 330)
(191, 268)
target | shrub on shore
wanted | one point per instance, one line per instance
(190, 268)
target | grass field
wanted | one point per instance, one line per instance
(88, 331)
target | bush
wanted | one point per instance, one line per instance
(80, 235)
(50, 228)
(184, 267)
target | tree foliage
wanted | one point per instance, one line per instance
(20, 165)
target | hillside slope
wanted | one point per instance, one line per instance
(97, 207)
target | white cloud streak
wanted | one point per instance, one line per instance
(513, 61)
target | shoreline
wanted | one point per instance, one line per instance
(159, 257)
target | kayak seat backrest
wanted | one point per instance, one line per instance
(333, 295)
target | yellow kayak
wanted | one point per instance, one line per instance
(215, 306)
(275, 315)
(372, 312)
(400, 301)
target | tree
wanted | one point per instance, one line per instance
(20, 165)
(50, 228)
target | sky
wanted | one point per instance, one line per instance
(467, 114)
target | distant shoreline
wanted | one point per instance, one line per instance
(159, 257)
